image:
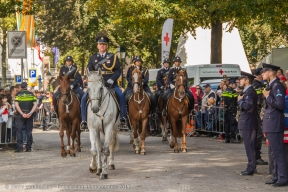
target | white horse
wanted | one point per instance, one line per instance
(102, 117)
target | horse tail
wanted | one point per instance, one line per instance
(179, 128)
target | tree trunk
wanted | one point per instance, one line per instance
(83, 63)
(216, 42)
(4, 64)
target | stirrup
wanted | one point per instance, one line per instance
(83, 125)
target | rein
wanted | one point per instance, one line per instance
(139, 101)
(179, 99)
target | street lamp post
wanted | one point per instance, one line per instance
(121, 52)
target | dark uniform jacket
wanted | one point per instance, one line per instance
(248, 110)
(160, 75)
(145, 77)
(172, 76)
(74, 76)
(111, 69)
(46, 104)
(229, 97)
(273, 118)
(25, 99)
(258, 86)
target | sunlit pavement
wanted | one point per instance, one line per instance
(209, 165)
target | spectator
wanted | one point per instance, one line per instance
(198, 99)
(46, 106)
(7, 91)
(4, 107)
(210, 114)
(208, 92)
(286, 83)
(18, 88)
(2, 91)
(287, 74)
(12, 95)
(280, 72)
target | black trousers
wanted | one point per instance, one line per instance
(259, 139)
(230, 125)
(249, 138)
(20, 123)
(278, 155)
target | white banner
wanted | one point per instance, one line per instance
(166, 39)
(17, 45)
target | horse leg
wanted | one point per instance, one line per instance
(106, 151)
(114, 144)
(183, 145)
(78, 138)
(164, 128)
(61, 134)
(93, 166)
(73, 135)
(68, 137)
(136, 140)
(99, 150)
(143, 135)
(172, 134)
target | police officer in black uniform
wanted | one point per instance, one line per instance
(160, 81)
(247, 121)
(145, 79)
(70, 69)
(273, 123)
(171, 81)
(230, 104)
(258, 86)
(46, 107)
(111, 71)
(25, 104)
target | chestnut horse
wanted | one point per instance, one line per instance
(163, 119)
(177, 109)
(139, 110)
(69, 117)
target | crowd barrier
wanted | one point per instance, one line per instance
(5, 134)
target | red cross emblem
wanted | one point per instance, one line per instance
(221, 71)
(166, 39)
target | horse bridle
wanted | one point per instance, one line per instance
(99, 98)
(178, 86)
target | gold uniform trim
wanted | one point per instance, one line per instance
(112, 67)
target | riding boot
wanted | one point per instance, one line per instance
(55, 105)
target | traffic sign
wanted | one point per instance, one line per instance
(32, 80)
(17, 79)
(17, 45)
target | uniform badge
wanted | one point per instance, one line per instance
(279, 94)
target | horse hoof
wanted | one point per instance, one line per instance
(184, 150)
(131, 142)
(111, 167)
(68, 151)
(137, 151)
(80, 146)
(143, 153)
(78, 150)
(72, 154)
(171, 146)
(99, 171)
(134, 146)
(64, 154)
(164, 138)
(176, 151)
(104, 176)
(92, 170)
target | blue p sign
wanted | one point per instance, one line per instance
(32, 73)
(18, 79)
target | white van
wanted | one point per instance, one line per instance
(199, 73)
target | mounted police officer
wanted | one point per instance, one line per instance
(171, 81)
(258, 86)
(111, 71)
(248, 122)
(69, 69)
(145, 79)
(273, 123)
(160, 81)
(230, 104)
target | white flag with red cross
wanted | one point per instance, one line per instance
(166, 39)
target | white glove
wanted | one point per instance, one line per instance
(110, 81)
(172, 86)
(71, 86)
(162, 87)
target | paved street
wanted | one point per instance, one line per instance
(209, 165)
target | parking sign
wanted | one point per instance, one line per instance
(32, 80)
(17, 79)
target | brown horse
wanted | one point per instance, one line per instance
(178, 112)
(69, 117)
(139, 110)
(163, 119)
